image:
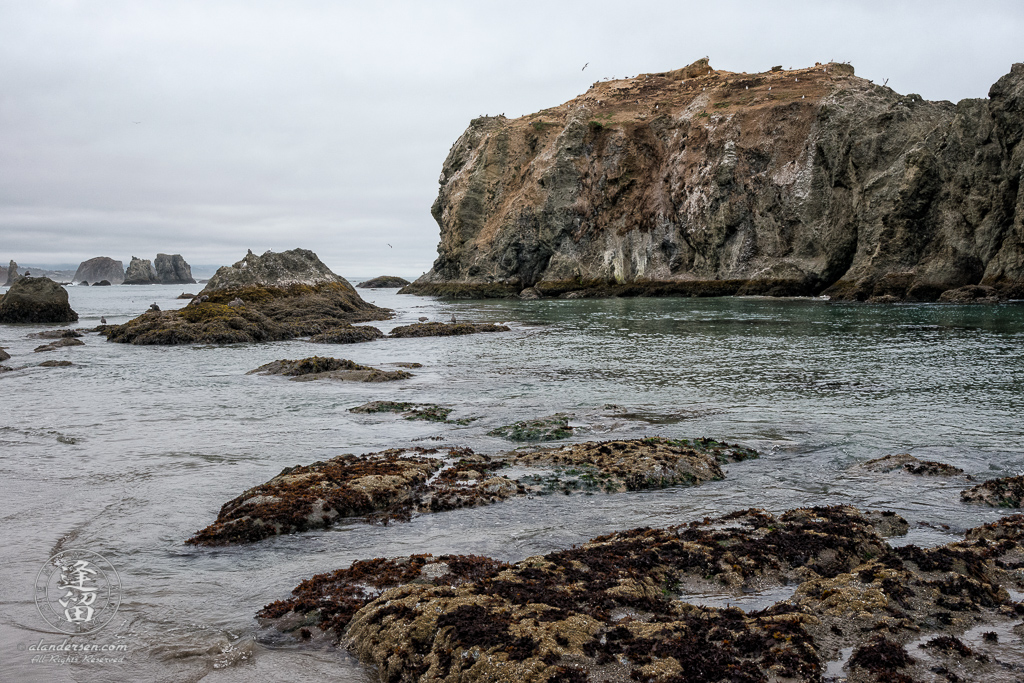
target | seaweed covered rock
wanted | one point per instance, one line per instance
(652, 462)
(36, 300)
(444, 329)
(260, 298)
(628, 605)
(140, 272)
(429, 412)
(101, 268)
(1007, 492)
(390, 484)
(549, 428)
(319, 367)
(907, 463)
(384, 281)
(347, 334)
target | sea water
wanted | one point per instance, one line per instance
(132, 449)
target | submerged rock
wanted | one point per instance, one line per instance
(549, 428)
(444, 329)
(320, 367)
(59, 344)
(185, 295)
(1007, 492)
(102, 283)
(722, 183)
(260, 298)
(56, 364)
(140, 272)
(56, 334)
(384, 281)
(36, 300)
(652, 462)
(347, 334)
(628, 605)
(101, 268)
(429, 412)
(908, 463)
(172, 270)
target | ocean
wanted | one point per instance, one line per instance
(132, 449)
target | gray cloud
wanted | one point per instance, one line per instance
(211, 128)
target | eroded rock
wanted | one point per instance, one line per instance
(140, 272)
(444, 329)
(384, 281)
(908, 463)
(36, 300)
(101, 268)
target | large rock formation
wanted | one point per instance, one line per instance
(172, 270)
(260, 298)
(140, 272)
(12, 273)
(708, 182)
(100, 268)
(36, 300)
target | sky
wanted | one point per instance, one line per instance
(212, 127)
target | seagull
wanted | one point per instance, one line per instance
(389, 245)
(103, 321)
(585, 66)
(453, 318)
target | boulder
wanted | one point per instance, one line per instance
(4, 355)
(36, 300)
(444, 329)
(384, 281)
(59, 344)
(100, 268)
(271, 297)
(140, 272)
(102, 283)
(12, 273)
(172, 270)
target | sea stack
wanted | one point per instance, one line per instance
(172, 270)
(12, 273)
(140, 272)
(705, 182)
(100, 268)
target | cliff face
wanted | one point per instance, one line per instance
(709, 182)
(99, 269)
(172, 270)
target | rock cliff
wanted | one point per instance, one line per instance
(172, 270)
(140, 272)
(100, 268)
(707, 182)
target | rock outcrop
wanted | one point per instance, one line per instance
(172, 270)
(384, 281)
(261, 298)
(704, 182)
(36, 300)
(140, 272)
(634, 606)
(12, 273)
(100, 268)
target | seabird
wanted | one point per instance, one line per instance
(389, 245)
(453, 318)
(154, 307)
(585, 66)
(424, 318)
(103, 321)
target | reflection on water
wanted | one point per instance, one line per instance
(133, 449)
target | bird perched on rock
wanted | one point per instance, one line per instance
(154, 307)
(103, 321)
(453, 318)
(424, 318)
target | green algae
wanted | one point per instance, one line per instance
(549, 428)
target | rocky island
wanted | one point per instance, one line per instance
(270, 297)
(100, 268)
(701, 182)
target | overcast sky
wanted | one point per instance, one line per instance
(207, 128)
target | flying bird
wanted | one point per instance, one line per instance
(389, 245)
(585, 66)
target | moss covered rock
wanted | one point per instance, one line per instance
(383, 281)
(320, 367)
(36, 300)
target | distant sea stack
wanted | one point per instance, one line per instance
(706, 182)
(140, 272)
(100, 268)
(384, 281)
(172, 270)
(12, 273)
